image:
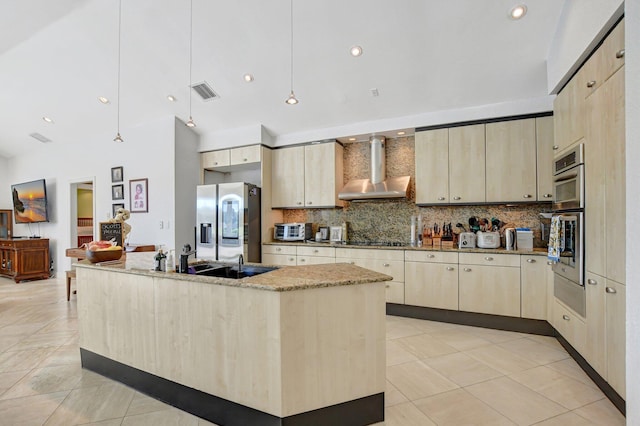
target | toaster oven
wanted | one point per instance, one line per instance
(292, 231)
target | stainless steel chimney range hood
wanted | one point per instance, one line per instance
(378, 187)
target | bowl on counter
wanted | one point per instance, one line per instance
(104, 255)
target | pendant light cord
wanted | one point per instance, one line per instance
(119, 42)
(291, 27)
(190, 54)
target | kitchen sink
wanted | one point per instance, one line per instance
(229, 271)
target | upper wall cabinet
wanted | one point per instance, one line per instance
(605, 61)
(568, 110)
(226, 158)
(544, 154)
(432, 166)
(307, 176)
(511, 161)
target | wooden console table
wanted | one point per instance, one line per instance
(24, 258)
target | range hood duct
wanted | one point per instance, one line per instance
(378, 187)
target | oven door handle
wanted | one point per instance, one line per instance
(565, 176)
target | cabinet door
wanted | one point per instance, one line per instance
(6, 224)
(615, 214)
(533, 281)
(213, 159)
(490, 289)
(570, 326)
(245, 155)
(433, 285)
(568, 109)
(394, 292)
(606, 60)
(467, 164)
(615, 335)
(544, 153)
(323, 175)
(595, 346)
(287, 174)
(432, 166)
(511, 161)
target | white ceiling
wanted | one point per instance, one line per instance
(57, 57)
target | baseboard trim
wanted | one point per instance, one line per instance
(358, 412)
(498, 322)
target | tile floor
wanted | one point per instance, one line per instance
(437, 374)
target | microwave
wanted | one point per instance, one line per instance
(292, 231)
(568, 180)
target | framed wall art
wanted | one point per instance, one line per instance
(115, 207)
(117, 174)
(138, 196)
(117, 192)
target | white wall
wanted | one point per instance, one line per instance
(632, 100)
(5, 184)
(147, 152)
(581, 22)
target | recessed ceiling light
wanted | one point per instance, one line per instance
(171, 98)
(355, 50)
(518, 11)
(248, 78)
(352, 139)
(48, 120)
(401, 133)
(103, 100)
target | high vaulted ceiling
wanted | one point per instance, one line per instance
(57, 57)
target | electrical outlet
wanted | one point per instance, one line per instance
(161, 225)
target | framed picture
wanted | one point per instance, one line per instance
(116, 174)
(115, 207)
(324, 232)
(138, 196)
(335, 233)
(117, 192)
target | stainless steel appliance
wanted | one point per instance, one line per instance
(568, 205)
(292, 231)
(228, 222)
(467, 240)
(510, 239)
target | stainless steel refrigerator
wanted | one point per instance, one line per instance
(228, 222)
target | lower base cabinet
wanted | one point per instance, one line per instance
(615, 305)
(24, 259)
(490, 289)
(595, 351)
(570, 325)
(534, 276)
(433, 285)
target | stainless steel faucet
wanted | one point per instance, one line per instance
(184, 258)
(240, 262)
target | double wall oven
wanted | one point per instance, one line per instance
(568, 206)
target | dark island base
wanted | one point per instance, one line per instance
(520, 325)
(359, 412)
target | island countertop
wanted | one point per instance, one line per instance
(285, 278)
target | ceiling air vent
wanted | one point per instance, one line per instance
(205, 91)
(39, 137)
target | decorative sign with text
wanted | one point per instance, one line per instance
(110, 231)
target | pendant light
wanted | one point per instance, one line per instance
(291, 100)
(190, 122)
(118, 138)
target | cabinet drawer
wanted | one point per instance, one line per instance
(316, 251)
(380, 254)
(490, 259)
(395, 268)
(271, 249)
(245, 155)
(279, 259)
(394, 292)
(314, 260)
(570, 326)
(431, 256)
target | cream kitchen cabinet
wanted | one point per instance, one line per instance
(570, 325)
(511, 161)
(431, 279)
(544, 154)
(489, 283)
(307, 176)
(245, 155)
(292, 255)
(212, 160)
(314, 255)
(534, 275)
(595, 347)
(450, 165)
(605, 61)
(389, 262)
(615, 305)
(279, 255)
(568, 110)
(432, 166)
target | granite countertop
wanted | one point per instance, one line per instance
(285, 278)
(542, 251)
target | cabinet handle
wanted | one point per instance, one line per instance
(353, 263)
(555, 147)
(566, 317)
(291, 259)
(547, 195)
(431, 256)
(467, 269)
(592, 282)
(215, 163)
(387, 286)
(591, 83)
(440, 198)
(527, 196)
(302, 260)
(531, 261)
(278, 249)
(245, 159)
(315, 251)
(386, 265)
(309, 202)
(620, 54)
(449, 268)
(488, 258)
(299, 203)
(611, 290)
(456, 198)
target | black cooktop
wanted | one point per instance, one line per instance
(377, 243)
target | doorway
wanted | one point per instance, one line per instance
(82, 211)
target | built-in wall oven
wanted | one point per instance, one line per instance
(568, 205)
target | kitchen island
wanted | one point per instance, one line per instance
(295, 346)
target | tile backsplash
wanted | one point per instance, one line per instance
(390, 220)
